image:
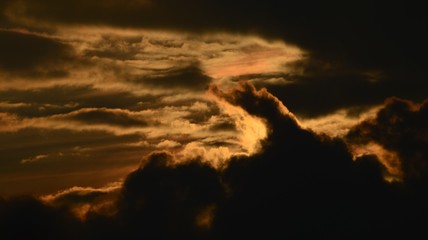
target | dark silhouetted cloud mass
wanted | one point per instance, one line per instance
(162, 119)
(301, 185)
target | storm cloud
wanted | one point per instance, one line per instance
(300, 185)
(163, 119)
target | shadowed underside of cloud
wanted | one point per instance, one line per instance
(301, 185)
(33, 56)
(117, 117)
(189, 78)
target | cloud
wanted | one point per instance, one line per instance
(350, 49)
(252, 128)
(82, 158)
(333, 31)
(26, 217)
(351, 56)
(215, 156)
(401, 128)
(258, 103)
(168, 144)
(83, 201)
(188, 77)
(115, 47)
(339, 87)
(264, 79)
(34, 56)
(166, 201)
(33, 159)
(389, 159)
(338, 124)
(224, 125)
(300, 185)
(61, 99)
(105, 116)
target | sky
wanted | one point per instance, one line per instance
(160, 119)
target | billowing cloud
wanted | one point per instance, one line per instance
(399, 127)
(88, 87)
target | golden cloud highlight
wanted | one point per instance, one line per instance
(388, 159)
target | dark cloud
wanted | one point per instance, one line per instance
(310, 182)
(313, 96)
(164, 202)
(31, 55)
(228, 142)
(26, 217)
(188, 77)
(168, 43)
(223, 126)
(401, 126)
(359, 52)
(317, 88)
(301, 185)
(312, 87)
(115, 117)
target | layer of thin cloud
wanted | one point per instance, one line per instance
(339, 123)
(151, 85)
(83, 200)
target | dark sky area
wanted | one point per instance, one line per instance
(162, 119)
